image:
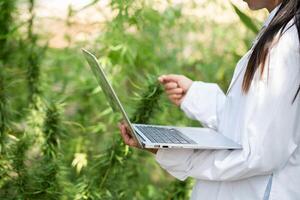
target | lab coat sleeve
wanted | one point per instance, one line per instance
(270, 128)
(203, 102)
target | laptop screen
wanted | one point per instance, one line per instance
(109, 92)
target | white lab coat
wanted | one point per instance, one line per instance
(264, 122)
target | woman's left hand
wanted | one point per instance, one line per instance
(127, 136)
(129, 140)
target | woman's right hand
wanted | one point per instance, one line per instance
(176, 86)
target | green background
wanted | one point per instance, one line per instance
(59, 138)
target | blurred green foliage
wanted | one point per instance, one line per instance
(247, 21)
(58, 136)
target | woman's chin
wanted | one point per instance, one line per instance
(252, 7)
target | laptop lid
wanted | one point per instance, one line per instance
(109, 92)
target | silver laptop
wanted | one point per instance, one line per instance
(154, 136)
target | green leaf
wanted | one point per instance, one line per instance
(246, 20)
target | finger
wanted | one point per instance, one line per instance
(132, 142)
(161, 78)
(172, 77)
(124, 135)
(175, 101)
(171, 85)
(123, 132)
(129, 139)
(175, 96)
(128, 131)
(174, 91)
(123, 123)
(179, 101)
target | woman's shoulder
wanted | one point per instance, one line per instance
(285, 51)
(288, 38)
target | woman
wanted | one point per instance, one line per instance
(261, 111)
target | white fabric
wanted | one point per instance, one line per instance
(264, 122)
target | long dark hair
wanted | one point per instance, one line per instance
(289, 9)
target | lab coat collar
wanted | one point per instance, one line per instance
(266, 23)
(271, 16)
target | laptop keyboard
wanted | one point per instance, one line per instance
(164, 135)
